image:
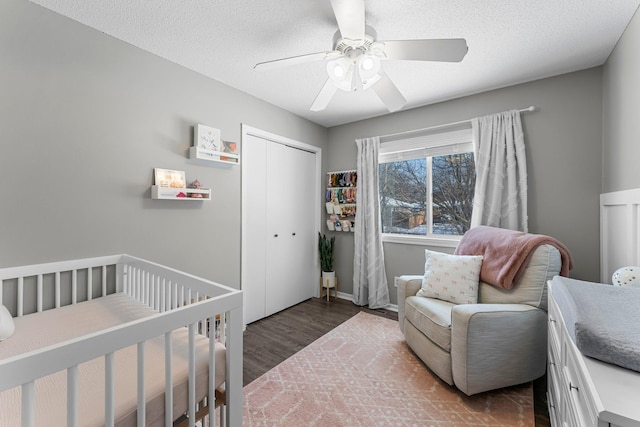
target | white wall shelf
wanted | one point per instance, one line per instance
(214, 156)
(183, 194)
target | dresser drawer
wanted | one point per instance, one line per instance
(555, 329)
(553, 377)
(578, 394)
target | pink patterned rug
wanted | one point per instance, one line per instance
(362, 373)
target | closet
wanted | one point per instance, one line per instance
(279, 230)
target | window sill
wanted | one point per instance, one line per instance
(444, 242)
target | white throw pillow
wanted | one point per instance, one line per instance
(6, 323)
(453, 278)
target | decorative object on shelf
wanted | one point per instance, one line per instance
(342, 179)
(207, 139)
(232, 148)
(169, 178)
(196, 184)
(208, 145)
(627, 276)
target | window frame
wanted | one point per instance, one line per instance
(427, 143)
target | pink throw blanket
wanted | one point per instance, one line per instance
(507, 252)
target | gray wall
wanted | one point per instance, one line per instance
(621, 97)
(84, 119)
(563, 140)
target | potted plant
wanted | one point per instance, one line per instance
(325, 247)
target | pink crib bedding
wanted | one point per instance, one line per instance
(38, 330)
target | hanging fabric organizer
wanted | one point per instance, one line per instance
(340, 200)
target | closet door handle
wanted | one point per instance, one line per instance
(275, 235)
(293, 234)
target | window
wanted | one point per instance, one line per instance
(426, 187)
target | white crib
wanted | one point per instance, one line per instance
(165, 313)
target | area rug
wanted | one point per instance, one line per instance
(362, 373)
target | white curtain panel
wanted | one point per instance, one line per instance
(500, 198)
(369, 276)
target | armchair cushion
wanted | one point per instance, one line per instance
(531, 288)
(432, 317)
(452, 278)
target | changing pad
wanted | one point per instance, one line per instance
(603, 320)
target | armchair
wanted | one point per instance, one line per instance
(497, 342)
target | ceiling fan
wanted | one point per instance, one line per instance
(355, 62)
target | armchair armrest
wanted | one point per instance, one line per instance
(497, 345)
(407, 286)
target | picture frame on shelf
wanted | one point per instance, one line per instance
(207, 139)
(231, 148)
(169, 178)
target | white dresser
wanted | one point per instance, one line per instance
(583, 391)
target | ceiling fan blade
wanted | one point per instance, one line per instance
(350, 17)
(293, 60)
(443, 50)
(388, 93)
(324, 96)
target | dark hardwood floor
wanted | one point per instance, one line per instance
(271, 340)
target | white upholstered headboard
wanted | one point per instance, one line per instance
(619, 231)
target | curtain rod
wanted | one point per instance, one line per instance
(418, 131)
(345, 171)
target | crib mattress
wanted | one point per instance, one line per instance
(39, 330)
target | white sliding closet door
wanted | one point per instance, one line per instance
(279, 226)
(290, 263)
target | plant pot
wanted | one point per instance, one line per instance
(328, 279)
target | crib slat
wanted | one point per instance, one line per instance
(72, 396)
(192, 374)
(104, 280)
(39, 295)
(152, 288)
(145, 289)
(109, 391)
(211, 400)
(89, 284)
(174, 302)
(57, 290)
(28, 404)
(20, 296)
(168, 392)
(223, 329)
(74, 286)
(141, 402)
(125, 279)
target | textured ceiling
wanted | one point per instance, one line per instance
(510, 42)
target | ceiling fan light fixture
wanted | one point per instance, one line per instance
(368, 67)
(340, 72)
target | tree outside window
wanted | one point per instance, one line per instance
(427, 196)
